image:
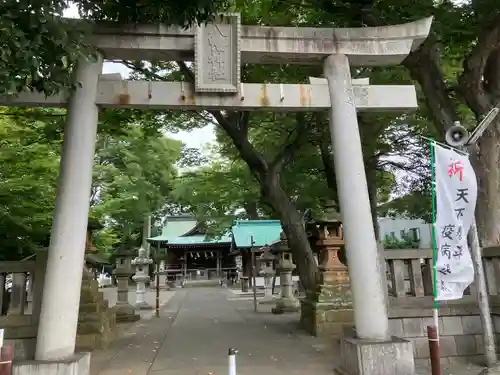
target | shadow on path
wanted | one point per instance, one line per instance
(195, 331)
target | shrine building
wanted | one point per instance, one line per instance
(190, 252)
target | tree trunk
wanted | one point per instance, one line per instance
(372, 193)
(480, 86)
(328, 166)
(486, 164)
(273, 194)
(251, 210)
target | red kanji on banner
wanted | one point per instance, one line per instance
(455, 168)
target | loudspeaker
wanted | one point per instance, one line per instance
(457, 136)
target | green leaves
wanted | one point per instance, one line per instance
(40, 48)
(133, 175)
(29, 168)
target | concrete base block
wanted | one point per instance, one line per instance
(361, 357)
(127, 318)
(325, 319)
(125, 312)
(143, 306)
(78, 364)
(286, 305)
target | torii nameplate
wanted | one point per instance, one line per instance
(217, 55)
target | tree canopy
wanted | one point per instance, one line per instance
(133, 175)
(40, 48)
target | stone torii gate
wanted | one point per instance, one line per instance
(218, 50)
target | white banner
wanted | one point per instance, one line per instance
(456, 194)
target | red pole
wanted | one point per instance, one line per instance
(433, 337)
(6, 356)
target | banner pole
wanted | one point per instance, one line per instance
(433, 331)
(490, 355)
(435, 313)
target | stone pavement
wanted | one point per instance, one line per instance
(198, 326)
(195, 331)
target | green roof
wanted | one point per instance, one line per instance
(264, 232)
(200, 239)
(176, 226)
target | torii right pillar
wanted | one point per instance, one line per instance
(372, 351)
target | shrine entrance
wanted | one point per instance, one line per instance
(218, 50)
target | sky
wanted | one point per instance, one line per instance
(198, 138)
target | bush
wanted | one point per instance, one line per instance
(405, 243)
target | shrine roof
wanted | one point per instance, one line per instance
(264, 232)
(175, 227)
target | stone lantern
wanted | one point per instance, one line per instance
(141, 277)
(328, 309)
(287, 301)
(125, 312)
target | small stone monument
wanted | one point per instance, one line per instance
(265, 261)
(287, 301)
(96, 320)
(328, 309)
(125, 312)
(245, 284)
(141, 277)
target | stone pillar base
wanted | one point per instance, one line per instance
(126, 313)
(286, 305)
(325, 319)
(78, 364)
(361, 357)
(96, 320)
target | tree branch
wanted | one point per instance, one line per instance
(290, 148)
(471, 84)
(423, 65)
(328, 164)
(236, 126)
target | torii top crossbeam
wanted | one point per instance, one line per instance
(218, 50)
(367, 46)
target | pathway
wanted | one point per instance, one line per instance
(198, 326)
(195, 331)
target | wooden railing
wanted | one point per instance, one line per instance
(491, 263)
(21, 286)
(410, 276)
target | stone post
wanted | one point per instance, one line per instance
(244, 284)
(287, 301)
(370, 312)
(141, 277)
(125, 312)
(163, 274)
(264, 262)
(61, 293)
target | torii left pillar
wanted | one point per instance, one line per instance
(55, 346)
